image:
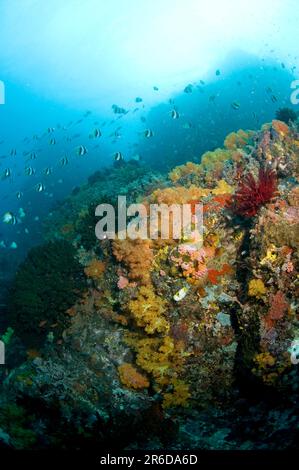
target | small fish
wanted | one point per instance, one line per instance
(64, 161)
(19, 195)
(48, 171)
(143, 119)
(283, 65)
(32, 156)
(2, 244)
(96, 133)
(82, 150)
(174, 114)
(181, 294)
(138, 99)
(52, 141)
(235, 105)
(201, 82)
(118, 109)
(273, 99)
(155, 88)
(269, 90)
(212, 98)
(188, 88)
(29, 171)
(7, 173)
(118, 157)
(40, 187)
(9, 218)
(148, 133)
(26, 231)
(217, 73)
(13, 246)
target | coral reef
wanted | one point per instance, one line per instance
(185, 331)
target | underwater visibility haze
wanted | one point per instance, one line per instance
(190, 340)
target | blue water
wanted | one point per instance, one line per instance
(61, 79)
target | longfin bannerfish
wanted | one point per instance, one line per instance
(51, 129)
(29, 171)
(96, 133)
(9, 218)
(188, 88)
(64, 161)
(82, 150)
(13, 152)
(118, 157)
(40, 187)
(174, 114)
(7, 173)
(235, 105)
(52, 141)
(148, 133)
(48, 171)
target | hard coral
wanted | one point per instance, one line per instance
(252, 194)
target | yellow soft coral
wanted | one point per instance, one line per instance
(148, 311)
(188, 170)
(163, 359)
(239, 139)
(222, 188)
(131, 378)
(179, 395)
(256, 288)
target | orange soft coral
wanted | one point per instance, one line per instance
(137, 256)
(95, 269)
(131, 378)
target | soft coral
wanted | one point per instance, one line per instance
(252, 194)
